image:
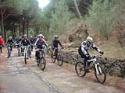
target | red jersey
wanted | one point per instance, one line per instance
(1, 41)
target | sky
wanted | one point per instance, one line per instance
(43, 3)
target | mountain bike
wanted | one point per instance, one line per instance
(95, 65)
(56, 56)
(41, 61)
(9, 49)
(18, 46)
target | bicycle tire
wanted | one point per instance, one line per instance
(25, 58)
(60, 60)
(81, 65)
(42, 64)
(100, 72)
(53, 58)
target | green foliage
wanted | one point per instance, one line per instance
(102, 17)
(60, 18)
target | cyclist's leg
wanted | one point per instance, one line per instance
(56, 53)
(84, 58)
(0, 48)
(37, 55)
(29, 52)
(8, 51)
(31, 47)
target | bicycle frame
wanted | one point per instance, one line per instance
(25, 50)
(41, 53)
(95, 64)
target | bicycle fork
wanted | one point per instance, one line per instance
(98, 69)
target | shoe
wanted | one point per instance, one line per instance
(87, 71)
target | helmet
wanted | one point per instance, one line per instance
(40, 35)
(55, 36)
(10, 37)
(25, 35)
(89, 39)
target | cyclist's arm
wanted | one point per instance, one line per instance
(96, 48)
(60, 44)
(35, 44)
(45, 43)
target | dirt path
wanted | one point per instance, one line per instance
(15, 77)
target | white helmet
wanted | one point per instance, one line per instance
(90, 39)
(40, 35)
(55, 36)
(25, 35)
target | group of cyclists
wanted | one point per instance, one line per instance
(39, 42)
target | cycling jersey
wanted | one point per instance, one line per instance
(40, 42)
(85, 46)
(56, 43)
(25, 42)
(1, 41)
(10, 42)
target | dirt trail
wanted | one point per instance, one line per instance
(16, 77)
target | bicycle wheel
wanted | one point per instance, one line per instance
(53, 58)
(42, 64)
(18, 49)
(100, 73)
(25, 58)
(79, 68)
(60, 60)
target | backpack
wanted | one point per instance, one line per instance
(80, 51)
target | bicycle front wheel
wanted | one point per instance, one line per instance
(79, 68)
(42, 64)
(25, 58)
(100, 73)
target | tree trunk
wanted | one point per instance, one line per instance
(2, 24)
(27, 28)
(77, 9)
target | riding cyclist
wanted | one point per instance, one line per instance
(32, 42)
(55, 45)
(26, 42)
(40, 44)
(10, 44)
(84, 48)
(18, 45)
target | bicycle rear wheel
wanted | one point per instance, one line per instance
(42, 64)
(79, 68)
(100, 73)
(53, 59)
(60, 60)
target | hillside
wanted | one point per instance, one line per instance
(113, 48)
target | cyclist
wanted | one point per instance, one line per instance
(18, 45)
(25, 42)
(55, 45)
(32, 42)
(1, 43)
(84, 48)
(40, 44)
(10, 44)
